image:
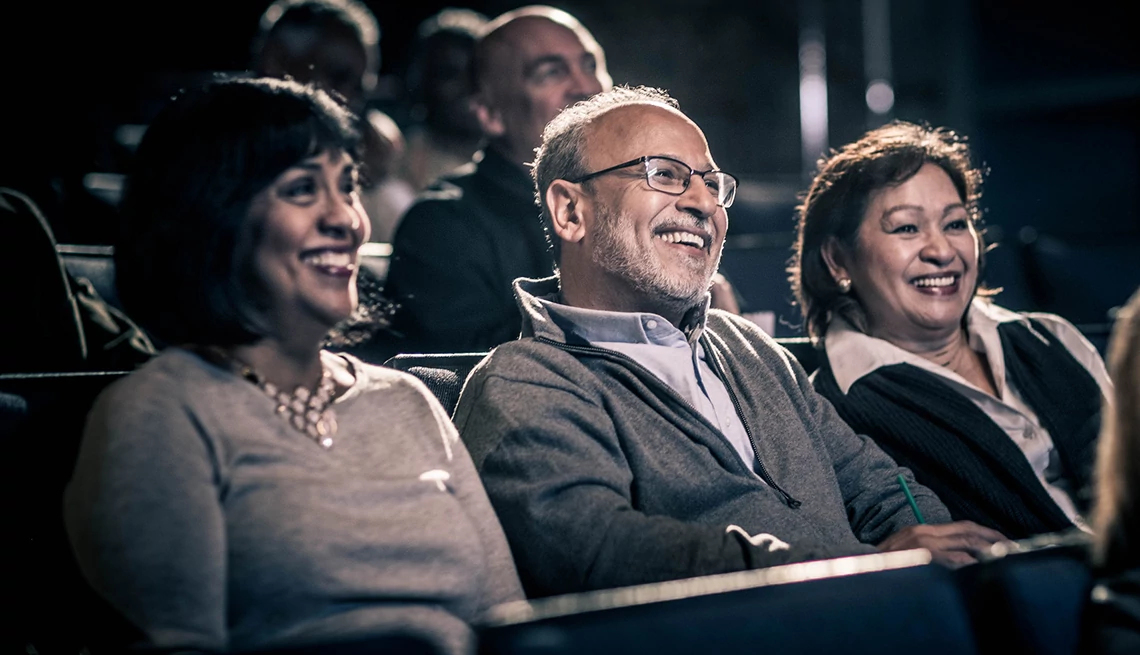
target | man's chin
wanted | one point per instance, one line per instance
(684, 299)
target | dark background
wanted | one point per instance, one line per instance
(1049, 97)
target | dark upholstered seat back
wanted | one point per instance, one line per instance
(41, 424)
(1030, 601)
(41, 329)
(96, 264)
(443, 374)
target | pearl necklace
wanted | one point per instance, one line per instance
(309, 412)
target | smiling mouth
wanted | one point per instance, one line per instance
(683, 238)
(330, 262)
(937, 284)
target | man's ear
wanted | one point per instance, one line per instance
(490, 118)
(566, 203)
(835, 257)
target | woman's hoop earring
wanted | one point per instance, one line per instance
(844, 284)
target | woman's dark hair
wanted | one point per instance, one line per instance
(182, 254)
(834, 205)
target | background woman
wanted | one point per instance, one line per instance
(996, 411)
(246, 490)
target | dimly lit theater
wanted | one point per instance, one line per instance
(353, 327)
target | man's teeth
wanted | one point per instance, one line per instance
(330, 259)
(686, 238)
(943, 281)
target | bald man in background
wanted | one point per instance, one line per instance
(472, 233)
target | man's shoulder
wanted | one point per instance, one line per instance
(441, 215)
(446, 194)
(529, 361)
(517, 378)
(456, 201)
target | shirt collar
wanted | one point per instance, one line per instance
(853, 355)
(544, 314)
(600, 326)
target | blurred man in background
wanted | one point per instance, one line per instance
(459, 248)
(335, 45)
(443, 132)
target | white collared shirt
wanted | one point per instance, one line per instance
(853, 355)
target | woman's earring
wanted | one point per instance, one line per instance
(844, 284)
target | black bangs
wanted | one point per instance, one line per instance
(279, 129)
(185, 215)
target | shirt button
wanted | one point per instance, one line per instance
(650, 324)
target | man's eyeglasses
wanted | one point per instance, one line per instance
(668, 175)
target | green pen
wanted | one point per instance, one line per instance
(910, 499)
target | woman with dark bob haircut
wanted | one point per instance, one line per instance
(246, 490)
(996, 411)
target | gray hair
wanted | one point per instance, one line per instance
(560, 157)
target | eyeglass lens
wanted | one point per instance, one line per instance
(673, 177)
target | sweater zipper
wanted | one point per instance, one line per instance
(647, 374)
(791, 502)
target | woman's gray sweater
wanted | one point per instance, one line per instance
(212, 524)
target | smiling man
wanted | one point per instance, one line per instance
(633, 435)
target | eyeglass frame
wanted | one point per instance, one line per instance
(688, 180)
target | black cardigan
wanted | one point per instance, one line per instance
(954, 448)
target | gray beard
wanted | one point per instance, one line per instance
(620, 258)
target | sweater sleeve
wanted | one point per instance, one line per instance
(868, 477)
(565, 496)
(442, 275)
(501, 578)
(143, 515)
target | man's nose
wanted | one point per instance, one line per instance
(697, 198)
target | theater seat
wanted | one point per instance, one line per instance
(41, 328)
(1082, 280)
(443, 373)
(1029, 599)
(96, 264)
(864, 605)
(51, 606)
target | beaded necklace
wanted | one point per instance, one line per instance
(309, 412)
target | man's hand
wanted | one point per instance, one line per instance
(951, 544)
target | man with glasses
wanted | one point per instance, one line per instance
(633, 435)
(461, 245)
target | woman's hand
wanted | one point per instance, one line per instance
(951, 544)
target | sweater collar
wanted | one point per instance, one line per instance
(537, 299)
